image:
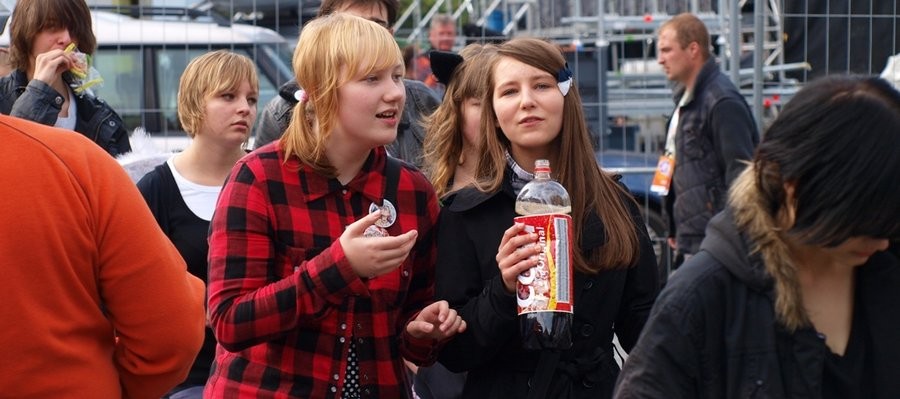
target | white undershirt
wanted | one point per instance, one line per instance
(673, 123)
(69, 121)
(200, 199)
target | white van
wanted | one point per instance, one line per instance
(143, 51)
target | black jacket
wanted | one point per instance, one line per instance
(716, 132)
(713, 331)
(420, 102)
(41, 103)
(470, 228)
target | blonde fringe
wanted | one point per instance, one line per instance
(768, 240)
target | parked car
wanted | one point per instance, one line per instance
(637, 171)
(142, 52)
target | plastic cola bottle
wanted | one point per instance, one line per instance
(544, 293)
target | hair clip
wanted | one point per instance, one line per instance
(443, 63)
(301, 96)
(564, 79)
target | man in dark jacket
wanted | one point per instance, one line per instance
(709, 135)
(420, 100)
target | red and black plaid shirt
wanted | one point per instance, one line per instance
(283, 300)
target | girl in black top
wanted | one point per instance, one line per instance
(532, 110)
(217, 99)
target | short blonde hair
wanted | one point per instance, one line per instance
(331, 50)
(207, 75)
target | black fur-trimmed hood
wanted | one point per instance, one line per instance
(752, 230)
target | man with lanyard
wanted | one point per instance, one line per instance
(710, 134)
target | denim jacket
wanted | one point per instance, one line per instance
(39, 102)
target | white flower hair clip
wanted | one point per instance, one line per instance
(301, 96)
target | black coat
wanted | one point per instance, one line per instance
(716, 135)
(713, 331)
(470, 229)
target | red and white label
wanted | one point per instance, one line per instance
(548, 285)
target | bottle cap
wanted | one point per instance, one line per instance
(542, 165)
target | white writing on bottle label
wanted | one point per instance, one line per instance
(547, 286)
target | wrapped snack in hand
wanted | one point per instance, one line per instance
(83, 74)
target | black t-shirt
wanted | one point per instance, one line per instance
(850, 376)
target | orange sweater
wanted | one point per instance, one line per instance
(83, 261)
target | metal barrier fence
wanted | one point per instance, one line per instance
(768, 50)
(768, 47)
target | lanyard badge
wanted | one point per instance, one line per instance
(662, 179)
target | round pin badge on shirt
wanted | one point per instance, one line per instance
(375, 231)
(388, 214)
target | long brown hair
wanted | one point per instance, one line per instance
(591, 190)
(443, 136)
(31, 17)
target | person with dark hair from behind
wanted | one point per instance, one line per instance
(409, 55)
(710, 135)
(217, 97)
(481, 251)
(96, 301)
(792, 293)
(48, 39)
(481, 34)
(420, 100)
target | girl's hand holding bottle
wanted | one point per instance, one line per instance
(517, 253)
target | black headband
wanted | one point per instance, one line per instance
(443, 63)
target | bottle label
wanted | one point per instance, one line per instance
(548, 285)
